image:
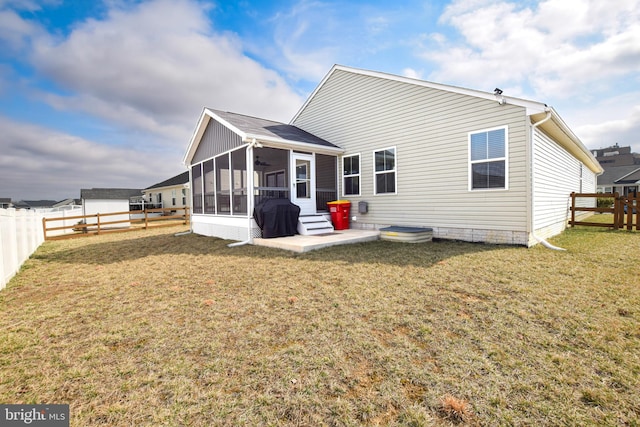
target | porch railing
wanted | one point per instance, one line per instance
(323, 195)
(263, 193)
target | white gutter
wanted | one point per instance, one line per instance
(296, 145)
(532, 152)
(250, 197)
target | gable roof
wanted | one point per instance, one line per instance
(631, 178)
(36, 203)
(613, 174)
(109, 193)
(67, 202)
(180, 179)
(537, 111)
(250, 129)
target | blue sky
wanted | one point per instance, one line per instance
(106, 93)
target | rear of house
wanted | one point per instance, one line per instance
(471, 165)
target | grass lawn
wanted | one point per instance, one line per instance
(151, 329)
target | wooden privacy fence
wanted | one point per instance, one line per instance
(100, 223)
(623, 208)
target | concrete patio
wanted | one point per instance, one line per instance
(300, 243)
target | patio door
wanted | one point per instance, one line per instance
(303, 186)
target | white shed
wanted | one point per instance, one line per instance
(108, 201)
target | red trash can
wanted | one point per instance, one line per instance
(339, 210)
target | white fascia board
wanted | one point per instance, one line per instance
(586, 154)
(289, 144)
(564, 136)
(165, 188)
(532, 107)
(313, 94)
(226, 124)
(205, 117)
(195, 138)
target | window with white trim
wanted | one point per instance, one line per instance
(351, 175)
(488, 159)
(384, 171)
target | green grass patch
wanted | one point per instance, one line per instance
(148, 328)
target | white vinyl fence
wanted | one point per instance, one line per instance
(20, 235)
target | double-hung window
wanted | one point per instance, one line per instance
(488, 159)
(351, 175)
(385, 171)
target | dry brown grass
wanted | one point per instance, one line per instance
(147, 328)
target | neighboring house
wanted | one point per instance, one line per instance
(5, 203)
(621, 179)
(172, 193)
(107, 201)
(621, 170)
(629, 183)
(67, 204)
(41, 205)
(471, 165)
(615, 156)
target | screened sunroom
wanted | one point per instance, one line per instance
(237, 161)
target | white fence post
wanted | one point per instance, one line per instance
(20, 235)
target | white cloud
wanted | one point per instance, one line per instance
(141, 75)
(311, 36)
(411, 73)
(611, 120)
(154, 66)
(15, 32)
(38, 163)
(573, 54)
(304, 37)
(555, 48)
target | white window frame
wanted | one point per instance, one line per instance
(505, 158)
(394, 170)
(359, 175)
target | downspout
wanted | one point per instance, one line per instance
(532, 150)
(250, 198)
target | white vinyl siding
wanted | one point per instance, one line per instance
(556, 175)
(430, 128)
